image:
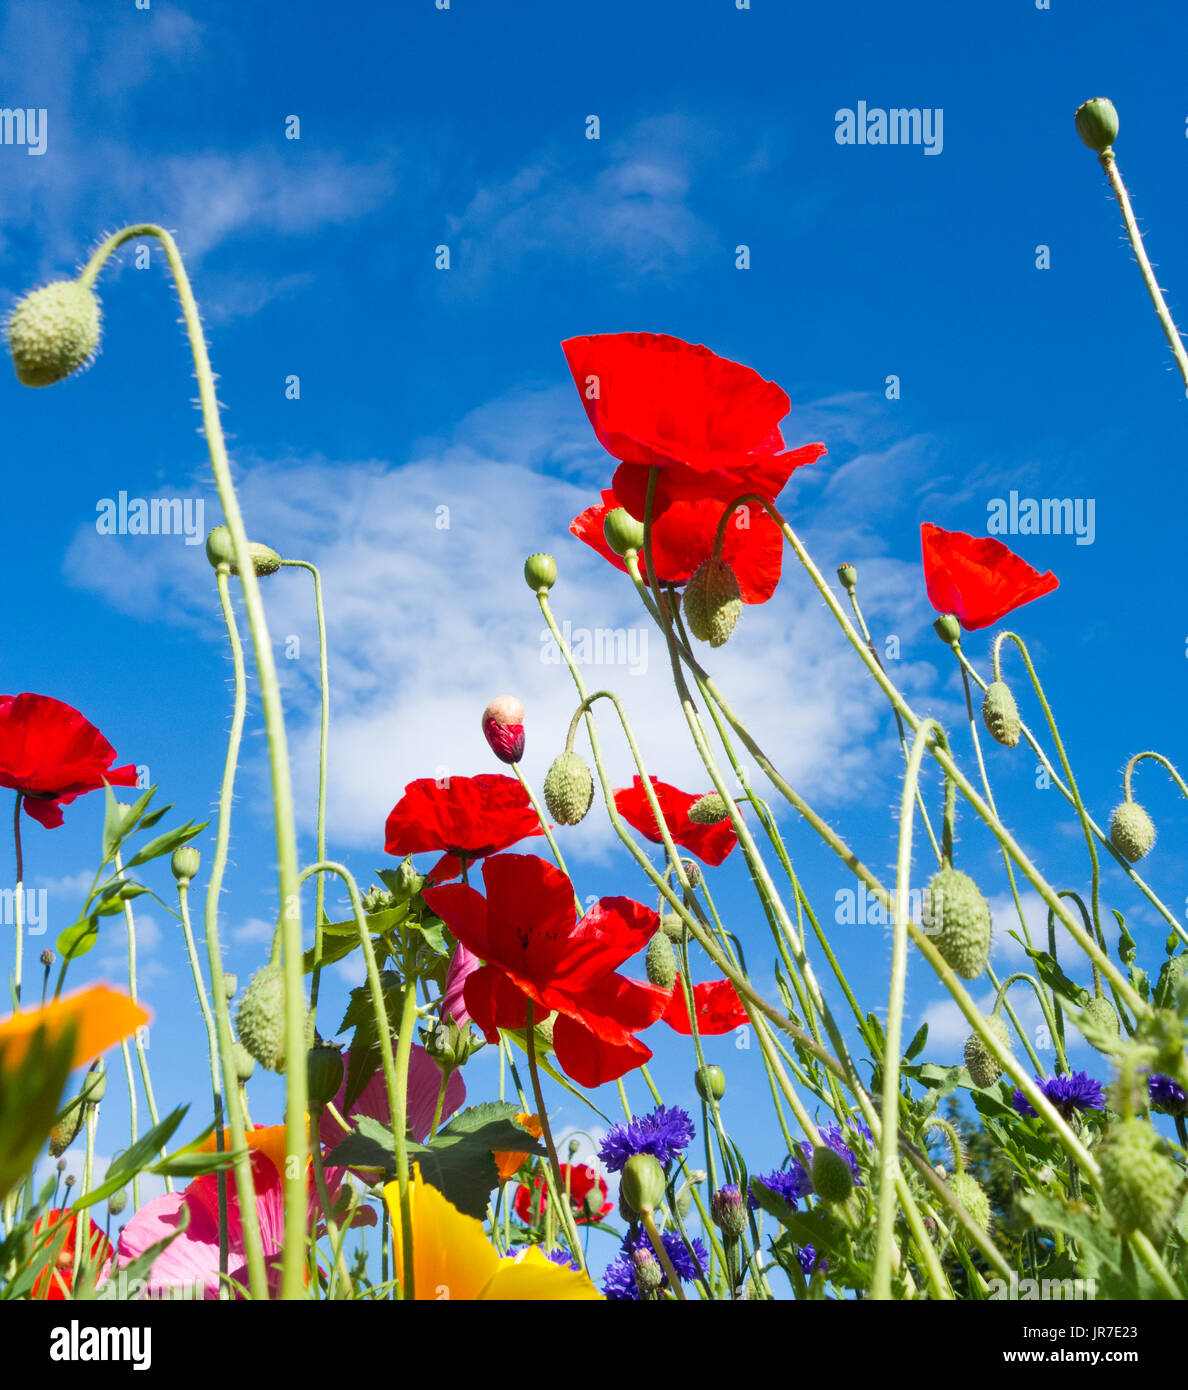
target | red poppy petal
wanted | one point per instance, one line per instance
(629, 1006)
(493, 1002)
(719, 1009)
(612, 932)
(531, 913)
(977, 577)
(589, 1060)
(464, 910)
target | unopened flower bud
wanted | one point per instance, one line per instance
(593, 1201)
(324, 1072)
(623, 533)
(574, 1146)
(243, 1061)
(692, 872)
(53, 332)
(1132, 831)
(184, 863)
(1000, 714)
(832, 1180)
(728, 1211)
(948, 629)
(568, 789)
(982, 1065)
(965, 924)
(848, 576)
(648, 1273)
(713, 601)
(1097, 123)
(709, 809)
(540, 573)
(660, 962)
(61, 1165)
(1141, 1186)
(70, 1180)
(260, 1018)
(1103, 1023)
(46, 958)
(672, 926)
(642, 1182)
(230, 984)
(503, 728)
(221, 551)
(710, 1082)
(94, 1086)
(117, 1201)
(972, 1196)
(65, 1131)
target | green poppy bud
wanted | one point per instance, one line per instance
(980, 1062)
(623, 533)
(965, 926)
(1101, 1019)
(1097, 123)
(1132, 831)
(117, 1201)
(94, 1086)
(324, 1072)
(642, 1182)
(660, 962)
(568, 789)
(713, 601)
(710, 1083)
(184, 863)
(972, 1196)
(709, 809)
(53, 332)
(243, 1061)
(221, 551)
(260, 1018)
(540, 573)
(848, 576)
(230, 985)
(65, 1131)
(948, 629)
(1141, 1186)
(692, 871)
(672, 926)
(832, 1180)
(1000, 714)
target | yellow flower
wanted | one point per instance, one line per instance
(453, 1259)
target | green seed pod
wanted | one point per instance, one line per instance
(965, 926)
(710, 809)
(184, 863)
(568, 789)
(832, 1180)
(972, 1196)
(672, 926)
(623, 533)
(1141, 1186)
(948, 629)
(1000, 714)
(710, 1082)
(848, 576)
(53, 332)
(1097, 123)
(540, 573)
(260, 1018)
(117, 1201)
(65, 1132)
(243, 1061)
(980, 1062)
(324, 1072)
(1132, 831)
(642, 1182)
(660, 962)
(1101, 1018)
(713, 601)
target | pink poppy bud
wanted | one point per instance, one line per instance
(503, 728)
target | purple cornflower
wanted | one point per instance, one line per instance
(1167, 1094)
(618, 1283)
(810, 1260)
(664, 1134)
(834, 1137)
(790, 1183)
(1067, 1093)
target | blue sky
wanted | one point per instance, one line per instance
(423, 388)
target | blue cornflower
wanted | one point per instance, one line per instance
(834, 1137)
(618, 1283)
(790, 1183)
(810, 1260)
(1167, 1094)
(1067, 1093)
(665, 1133)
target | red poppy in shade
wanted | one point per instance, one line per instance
(580, 1181)
(537, 952)
(56, 1280)
(976, 577)
(718, 1008)
(467, 817)
(710, 843)
(710, 425)
(50, 754)
(683, 536)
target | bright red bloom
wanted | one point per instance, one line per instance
(710, 425)
(683, 536)
(976, 577)
(710, 843)
(718, 1008)
(56, 1280)
(538, 953)
(468, 817)
(50, 754)
(580, 1181)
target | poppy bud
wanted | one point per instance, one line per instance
(1101, 1018)
(623, 533)
(184, 863)
(1132, 831)
(660, 963)
(593, 1202)
(832, 1180)
(46, 958)
(713, 601)
(540, 573)
(710, 809)
(117, 1201)
(728, 1211)
(980, 1062)
(221, 551)
(672, 926)
(648, 1273)
(243, 1061)
(1097, 123)
(692, 872)
(848, 576)
(1000, 714)
(1141, 1186)
(260, 1018)
(642, 1182)
(53, 332)
(65, 1131)
(948, 629)
(972, 1196)
(324, 1071)
(503, 728)
(94, 1085)
(965, 925)
(230, 985)
(568, 789)
(710, 1082)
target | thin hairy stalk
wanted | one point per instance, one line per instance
(558, 1195)
(1168, 767)
(18, 902)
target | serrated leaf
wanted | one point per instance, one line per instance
(460, 1162)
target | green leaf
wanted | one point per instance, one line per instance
(78, 939)
(1126, 942)
(460, 1161)
(188, 1164)
(1075, 1219)
(334, 950)
(432, 929)
(167, 843)
(147, 822)
(370, 1146)
(917, 1044)
(119, 819)
(1052, 975)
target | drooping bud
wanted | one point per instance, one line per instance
(692, 871)
(642, 1183)
(1141, 1186)
(832, 1180)
(972, 1196)
(324, 1072)
(568, 789)
(540, 573)
(221, 551)
(660, 962)
(1102, 1023)
(53, 332)
(648, 1273)
(713, 601)
(184, 863)
(963, 938)
(503, 728)
(260, 1018)
(710, 1082)
(728, 1211)
(948, 629)
(623, 533)
(243, 1061)
(94, 1086)
(982, 1065)
(117, 1201)
(672, 926)
(1132, 831)
(709, 809)
(848, 576)
(1000, 714)
(1097, 123)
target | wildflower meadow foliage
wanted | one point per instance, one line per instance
(392, 1171)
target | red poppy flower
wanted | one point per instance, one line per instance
(977, 578)
(710, 425)
(468, 818)
(50, 754)
(537, 953)
(580, 1181)
(56, 1280)
(718, 1008)
(683, 536)
(710, 843)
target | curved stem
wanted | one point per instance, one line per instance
(18, 900)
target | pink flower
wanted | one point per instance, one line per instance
(464, 962)
(424, 1083)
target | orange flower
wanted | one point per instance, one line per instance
(56, 1281)
(509, 1161)
(99, 1016)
